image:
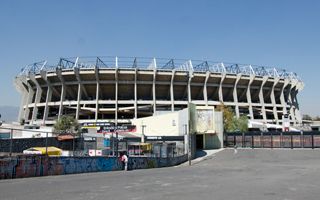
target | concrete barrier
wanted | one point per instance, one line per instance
(33, 166)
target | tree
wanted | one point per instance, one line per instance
(67, 124)
(230, 121)
(242, 123)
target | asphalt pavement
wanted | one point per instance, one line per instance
(248, 174)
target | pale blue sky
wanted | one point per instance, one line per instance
(271, 33)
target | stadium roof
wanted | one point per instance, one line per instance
(161, 64)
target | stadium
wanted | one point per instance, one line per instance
(119, 89)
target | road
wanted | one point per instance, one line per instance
(249, 174)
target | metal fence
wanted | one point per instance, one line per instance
(15, 141)
(310, 139)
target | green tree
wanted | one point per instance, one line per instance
(67, 124)
(242, 123)
(230, 121)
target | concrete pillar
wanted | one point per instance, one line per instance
(189, 86)
(24, 95)
(62, 98)
(220, 87)
(37, 99)
(261, 98)
(273, 100)
(235, 95)
(29, 101)
(154, 91)
(78, 101)
(252, 77)
(97, 101)
(205, 92)
(282, 99)
(46, 108)
(116, 97)
(135, 95)
(172, 91)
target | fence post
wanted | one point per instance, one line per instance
(243, 140)
(11, 138)
(271, 140)
(46, 143)
(302, 139)
(281, 145)
(312, 140)
(252, 141)
(73, 144)
(262, 140)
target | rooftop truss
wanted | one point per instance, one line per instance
(160, 64)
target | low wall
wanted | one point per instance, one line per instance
(32, 166)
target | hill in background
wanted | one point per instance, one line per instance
(9, 113)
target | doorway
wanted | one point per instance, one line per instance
(199, 141)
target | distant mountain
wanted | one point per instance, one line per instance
(9, 113)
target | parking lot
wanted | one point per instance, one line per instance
(248, 174)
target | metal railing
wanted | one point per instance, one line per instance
(306, 139)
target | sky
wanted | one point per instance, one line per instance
(282, 33)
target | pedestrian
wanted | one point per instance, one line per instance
(124, 160)
(235, 149)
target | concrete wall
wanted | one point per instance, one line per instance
(32, 166)
(169, 124)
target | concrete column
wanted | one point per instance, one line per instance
(24, 95)
(37, 98)
(282, 99)
(235, 95)
(172, 91)
(273, 100)
(30, 97)
(249, 97)
(292, 103)
(154, 91)
(62, 98)
(189, 87)
(46, 108)
(261, 98)
(78, 101)
(116, 97)
(220, 87)
(205, 93)
(135, 95)
(97, 101)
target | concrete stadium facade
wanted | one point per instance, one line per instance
(116, 89)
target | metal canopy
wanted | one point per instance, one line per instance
(160, 64)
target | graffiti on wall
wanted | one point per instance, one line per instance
(32, 166)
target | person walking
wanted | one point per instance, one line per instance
(124, 160)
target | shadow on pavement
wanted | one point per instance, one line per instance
(200, 153)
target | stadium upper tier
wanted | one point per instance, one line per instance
(100, 89)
